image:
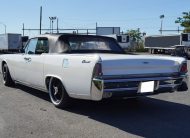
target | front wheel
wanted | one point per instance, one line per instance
(58, 94)
(7, 80)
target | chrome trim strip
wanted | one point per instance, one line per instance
(32, 86)
(97, 89)
(169, 86)
(142, 79)
(175, 74)
(120, 89)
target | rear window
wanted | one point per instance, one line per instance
(87, 44)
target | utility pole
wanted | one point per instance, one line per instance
(50, 25)
(40, 19)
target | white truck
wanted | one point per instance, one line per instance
(114, 32)
(161, 43)
(185, 39)
(123, 40)
(10, 42)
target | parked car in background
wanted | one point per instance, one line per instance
(90, 67)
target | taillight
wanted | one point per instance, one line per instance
(98, 70)
(184, 68)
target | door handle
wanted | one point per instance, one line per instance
(27, 59)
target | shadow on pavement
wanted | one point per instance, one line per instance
(34, 92)
(146, 117)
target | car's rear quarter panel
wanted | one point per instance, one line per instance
(75, 75)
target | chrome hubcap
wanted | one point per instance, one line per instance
(56, 91)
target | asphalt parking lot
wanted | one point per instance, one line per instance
(25, 112)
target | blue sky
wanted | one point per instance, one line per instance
(127, 14)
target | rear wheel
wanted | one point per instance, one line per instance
(7, 80)
(58, 94)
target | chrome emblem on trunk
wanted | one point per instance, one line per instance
(84, 61)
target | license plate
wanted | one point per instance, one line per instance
(147, 87)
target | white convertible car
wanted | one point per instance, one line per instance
(90, 67)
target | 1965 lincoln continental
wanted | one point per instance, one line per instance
(90, 67)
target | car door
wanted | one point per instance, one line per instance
(20, 62)
(34, 61)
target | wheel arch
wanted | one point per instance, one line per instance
(2, 64)
(49, 77)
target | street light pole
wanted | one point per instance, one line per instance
(161, 17)
(51, 23)
(52, 26)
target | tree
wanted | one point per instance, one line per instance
(184, 21)
(135, 35)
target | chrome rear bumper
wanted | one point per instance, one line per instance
(108, 86)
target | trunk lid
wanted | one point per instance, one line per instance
(115, 64)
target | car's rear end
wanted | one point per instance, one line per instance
(131, 76)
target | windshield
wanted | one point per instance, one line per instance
(90, 44)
